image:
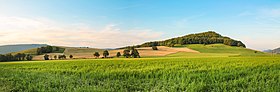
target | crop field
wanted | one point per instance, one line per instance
(220, 48)
(171, 73)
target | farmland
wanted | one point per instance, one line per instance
(173, 73)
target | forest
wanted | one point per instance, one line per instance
(209, 37)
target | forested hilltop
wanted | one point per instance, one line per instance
(209, 37)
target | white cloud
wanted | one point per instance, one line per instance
(246, 13)
(18, 30)
(270, 12)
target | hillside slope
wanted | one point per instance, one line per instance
(15, 48)
(277, 50)
(218, 50)
(199, 38)
(221, 48)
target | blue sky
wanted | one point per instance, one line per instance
(116, 23)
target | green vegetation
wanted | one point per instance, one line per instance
(106, 53)
(96, 55)
(221, 48)
(154, 48)
(49, 49)
(199, 38)
(146, 74)
(132, 52)
(32, 51)
(226, 66)
(118, 54)
(126, 53)
(135, 53)
(16, 57)
(71, 56)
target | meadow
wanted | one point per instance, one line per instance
(172, 73)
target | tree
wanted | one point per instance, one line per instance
(23, 56)
(106, 53)
(10, 57)
(240, 44)
(171, 44)
(18, 56)
(3, 58)
(55, 57)
(39, 52)
(118, 54)
(135, 53)
(71, 56)
(126, 53)
(49, 49)
(29, 57)
(46, 57)
(61, 57)
(56, 48)
(43, 50)
(154, 48)
(96, 55)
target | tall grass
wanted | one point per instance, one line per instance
(146, 74)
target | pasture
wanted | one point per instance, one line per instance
(173, 73)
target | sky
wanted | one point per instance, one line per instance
(118, 23)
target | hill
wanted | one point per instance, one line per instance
(199, 38)
(221, 48)
(277, 50)
(217, 50)
(19, 47)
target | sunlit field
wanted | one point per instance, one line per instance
(145, 74)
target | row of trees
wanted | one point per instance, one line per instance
(43, 50)
(131, 53)
(16, 57)
(48, 57)
(127, 53)
(48, 49)
(200, 38)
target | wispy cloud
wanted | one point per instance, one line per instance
(129, 7)
(16, 30)
(270, 12)
(264, 28)
(246, 13)
(183, 23)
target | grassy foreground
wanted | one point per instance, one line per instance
(145, 74)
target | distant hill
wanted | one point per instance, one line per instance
(19, 47)
(199, 38)
(277, 50)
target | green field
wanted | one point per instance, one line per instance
(229, 69)
(146, 74)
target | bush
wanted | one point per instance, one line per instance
(154, 48)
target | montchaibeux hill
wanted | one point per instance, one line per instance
(209, 37)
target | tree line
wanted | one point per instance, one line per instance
(55, 57)
(127, 53)
(199, 38)
(16, 57)
(49, 49)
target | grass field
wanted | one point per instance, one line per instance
(83, 53)
(145, 74)
(216, 68)
(221, 48)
